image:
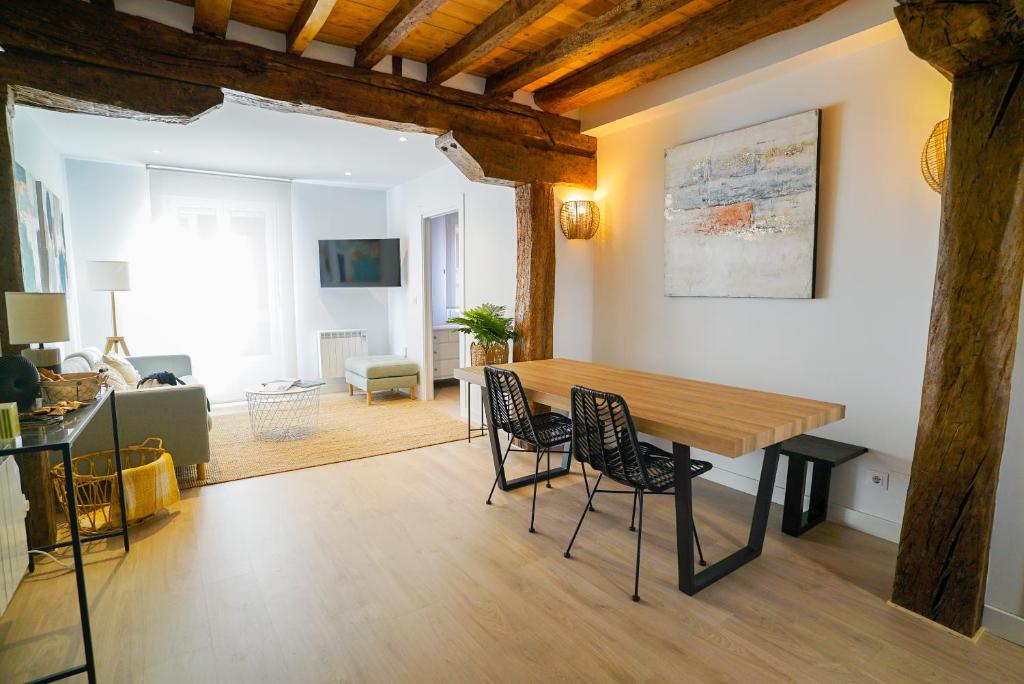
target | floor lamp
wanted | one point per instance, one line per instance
(112, 277)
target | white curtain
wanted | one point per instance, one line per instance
(213, 279)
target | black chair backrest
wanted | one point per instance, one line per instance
(604, 437)
(509, 409)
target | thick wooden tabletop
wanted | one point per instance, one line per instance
(725, 420)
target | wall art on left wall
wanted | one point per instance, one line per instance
(44, 261)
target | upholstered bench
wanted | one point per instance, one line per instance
(377, 373)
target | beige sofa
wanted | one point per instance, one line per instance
(178, 415)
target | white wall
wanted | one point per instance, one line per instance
(862, 341)
(37, 154)
(325, 212)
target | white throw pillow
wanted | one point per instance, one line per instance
(124, 367)
(114, 378)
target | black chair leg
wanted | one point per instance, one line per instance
(632, 519)
(700, 553)
(587, 507)
(639, 538)
(498, 474)
(586, 483)
(548, 484)
(536, 476)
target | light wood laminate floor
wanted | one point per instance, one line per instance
(392, 569)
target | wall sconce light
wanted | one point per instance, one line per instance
(933, 156)
(579, 219)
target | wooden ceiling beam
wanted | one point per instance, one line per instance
(74, 30)
(399, 23)
(211, 17)
(488, 159)
(108, 4)
(587, 40)
(505, 22)
(720, 30)
(307, 24)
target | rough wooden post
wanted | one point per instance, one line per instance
(535, 272)
(35, 481)
(947, 525)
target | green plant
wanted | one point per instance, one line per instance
(487, 323)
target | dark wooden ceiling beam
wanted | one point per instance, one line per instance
(587, 40)
(397, 25)
(487, 159)
(74, 30)
(505, 22)
(211, 17)
(720, 30)
(307, 24)
(108, 4)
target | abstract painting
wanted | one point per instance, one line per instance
(741, 212)
(41, 233)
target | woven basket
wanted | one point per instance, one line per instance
(96, 496)
(496, 354)
(74, 387)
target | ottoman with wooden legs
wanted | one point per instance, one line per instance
(378, 373)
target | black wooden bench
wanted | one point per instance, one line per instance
(824, 454)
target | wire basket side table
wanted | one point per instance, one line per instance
(283, 416)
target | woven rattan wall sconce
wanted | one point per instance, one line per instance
(933, 156)
(580, 219)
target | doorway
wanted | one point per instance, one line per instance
(443, 299)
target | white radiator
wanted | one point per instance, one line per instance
(335, 347)
(13, 542)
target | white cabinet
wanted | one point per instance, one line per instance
(446, 353)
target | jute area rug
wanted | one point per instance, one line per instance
(348, 430)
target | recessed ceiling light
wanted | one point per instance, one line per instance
(156, 151)
(402, 139)
(348, 173)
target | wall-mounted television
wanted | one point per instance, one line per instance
(360, 263)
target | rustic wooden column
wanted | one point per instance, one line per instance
(33, 467)
(535, 271)
(947, 525)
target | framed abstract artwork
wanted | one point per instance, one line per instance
(41, 233)
(741, 212)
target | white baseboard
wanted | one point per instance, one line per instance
(858, 520)
(1005, 625)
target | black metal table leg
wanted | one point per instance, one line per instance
(795, 521)
(120, 471)
(689, 581)
(76, 548)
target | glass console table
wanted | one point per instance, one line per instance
(60, 437)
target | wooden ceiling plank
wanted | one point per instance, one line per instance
(397, 25)
(588, 39)
(720, 30)
(505, 22)
(311, 18)
(211, 17)
(74, 30)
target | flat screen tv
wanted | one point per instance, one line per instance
(360, 263)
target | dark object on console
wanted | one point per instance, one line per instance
(19, 381)
(162, 378)
(604, 436)
(825, 454)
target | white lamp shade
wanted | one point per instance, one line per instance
(35, 317)
(109, 276)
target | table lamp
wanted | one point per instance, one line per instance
(36, 318)
(111, 276)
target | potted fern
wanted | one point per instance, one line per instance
(492, 331)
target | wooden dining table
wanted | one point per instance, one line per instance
(725, 420)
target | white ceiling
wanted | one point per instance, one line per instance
(240, 139)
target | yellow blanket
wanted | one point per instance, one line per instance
(148, 489)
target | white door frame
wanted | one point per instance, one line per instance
(427, 375)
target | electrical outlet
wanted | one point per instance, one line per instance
(879, 479)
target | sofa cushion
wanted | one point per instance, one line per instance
(383, 366)
(124, 367)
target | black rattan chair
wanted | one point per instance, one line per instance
(509, 411)
(604, 437)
